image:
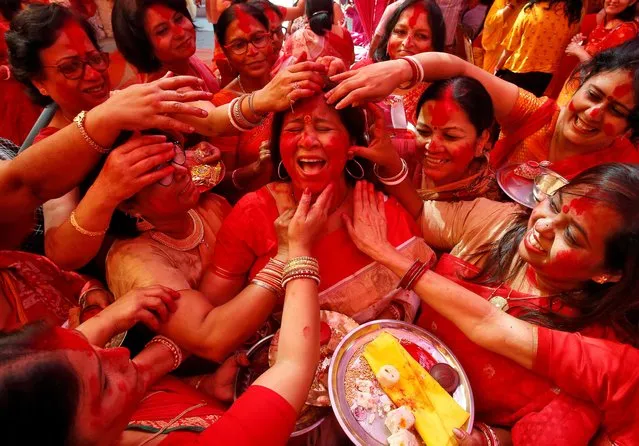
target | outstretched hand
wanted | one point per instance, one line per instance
(368, 227)
(309, 220)
(380, 150)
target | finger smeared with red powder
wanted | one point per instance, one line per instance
(443, 108)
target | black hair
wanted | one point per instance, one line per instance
(33, 30)
(9, 8)
(628, 14)
(469, 94)
(320, 15)
(229, 15)
(266, 4)
(353, 118)
(622, 57)
(435, 22)
(127, 20)
(572, 8)
(36, 385)
(615, 304)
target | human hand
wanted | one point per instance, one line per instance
(476, 438)
(264, 158)
(380, 150)
(131, 167)
(309, 221)
(575, 49)
(151, 305)
(221, 384)
(334, 65)
(368, 227)
(202, 153)
(578, 38)
(281, 230)
(299, 81)
(370, 83)
(144, 106)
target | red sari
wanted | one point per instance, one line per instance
(526, 134)
(505, 393)
(259, 416)
(36, 289)
(351, 282)
(18, 113)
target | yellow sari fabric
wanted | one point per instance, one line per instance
(496, 28)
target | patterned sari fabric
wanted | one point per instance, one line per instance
(35, 289)
(526, 134)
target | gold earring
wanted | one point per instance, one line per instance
(43, 92)
(602, 279)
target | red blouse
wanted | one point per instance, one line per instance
(604, 372)
(601, 38)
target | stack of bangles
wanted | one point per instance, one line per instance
(237, 117)
(413, 275)
(301, 268)
(88, 311)
(176, 351)
(489, 434)
(394, 180)
(270, 277)
(417, 72)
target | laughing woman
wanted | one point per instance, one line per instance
(596, 127)
(157, 37)
(556, 268)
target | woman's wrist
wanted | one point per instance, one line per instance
(100, 125)
(391, 169)
(298, 251)
(260, 104)
(404, 71)
(102, 202)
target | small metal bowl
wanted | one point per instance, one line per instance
(547, 184)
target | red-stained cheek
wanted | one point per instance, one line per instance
(443, 109)
(609, 129)
(565, 209)
(571, 106)
(121, 386)
(567, 258)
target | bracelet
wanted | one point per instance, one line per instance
(234, 180)
(409, 274)
(251, 97)
(270, 277)
(82, 301)
(79, 121)
(416, 276)
(395, 311)
(394, 180)
(489, 434)
(303, 267)
(176, 351)
(414, 74)
(420, 68)
(81, 230)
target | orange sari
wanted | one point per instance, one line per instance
(526, 135)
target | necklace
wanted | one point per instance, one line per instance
(239, 81)
(185, 244)
(501, 302)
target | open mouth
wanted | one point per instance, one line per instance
(186, 43)
(435, 162)
(311, 166)
(531, 241)
(583, 127)
(98, 90)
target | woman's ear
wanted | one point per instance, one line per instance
(40, 86)
(480, 146)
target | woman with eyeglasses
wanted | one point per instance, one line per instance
(159, 36)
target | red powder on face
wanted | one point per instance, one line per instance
(243, 20)
(565, 209)
(443, 109)
(609, 129)
(76, 35)
(121, 386)
(622, 90)
(63, 339)
(571, 106)
(581, 205)
(417, 10)
(594, 112)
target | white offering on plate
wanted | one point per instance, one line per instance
(398, 419)
(403, 438)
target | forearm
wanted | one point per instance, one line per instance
(405, 192)
(583, 56)
(70, 248)
(505, 54)
(298, 349)
(477, 318)
(154, 362)
(98, 330)
(217, 123)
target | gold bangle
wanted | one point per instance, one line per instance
(79, 121)
(83, 231)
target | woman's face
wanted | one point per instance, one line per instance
(277, 32)
(314, 144)
(448, 139)
(598, 112)
(256, 58)
(110, 387)
(411, 35)
(566, 240)
(614, 7)
(167, 198)
(171, 34)
(92, 85)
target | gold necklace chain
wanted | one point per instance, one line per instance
(186, 244)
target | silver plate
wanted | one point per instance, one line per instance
(362, 433)
(518, 188)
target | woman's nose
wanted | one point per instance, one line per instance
(434, 145)
(544, 226)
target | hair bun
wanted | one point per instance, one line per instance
(320, 22)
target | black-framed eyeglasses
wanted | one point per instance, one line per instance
(179, 159)
(278, 32)
(240, 46)
(73, 67)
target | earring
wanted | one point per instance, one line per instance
(282, 176)
(359, 166)
(43, 92)
(141, 224)
(601, 279)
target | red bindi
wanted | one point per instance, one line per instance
(443, 108)
(418, 9)
(243, 20)
(622, 90)
(581, 205)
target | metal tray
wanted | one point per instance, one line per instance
(518, 188)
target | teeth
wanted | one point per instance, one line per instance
(581, 125)
(306, 160)
(437, 161)
(532, 239)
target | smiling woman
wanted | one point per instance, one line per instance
(159, 36)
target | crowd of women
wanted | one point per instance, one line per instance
(151, 234)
